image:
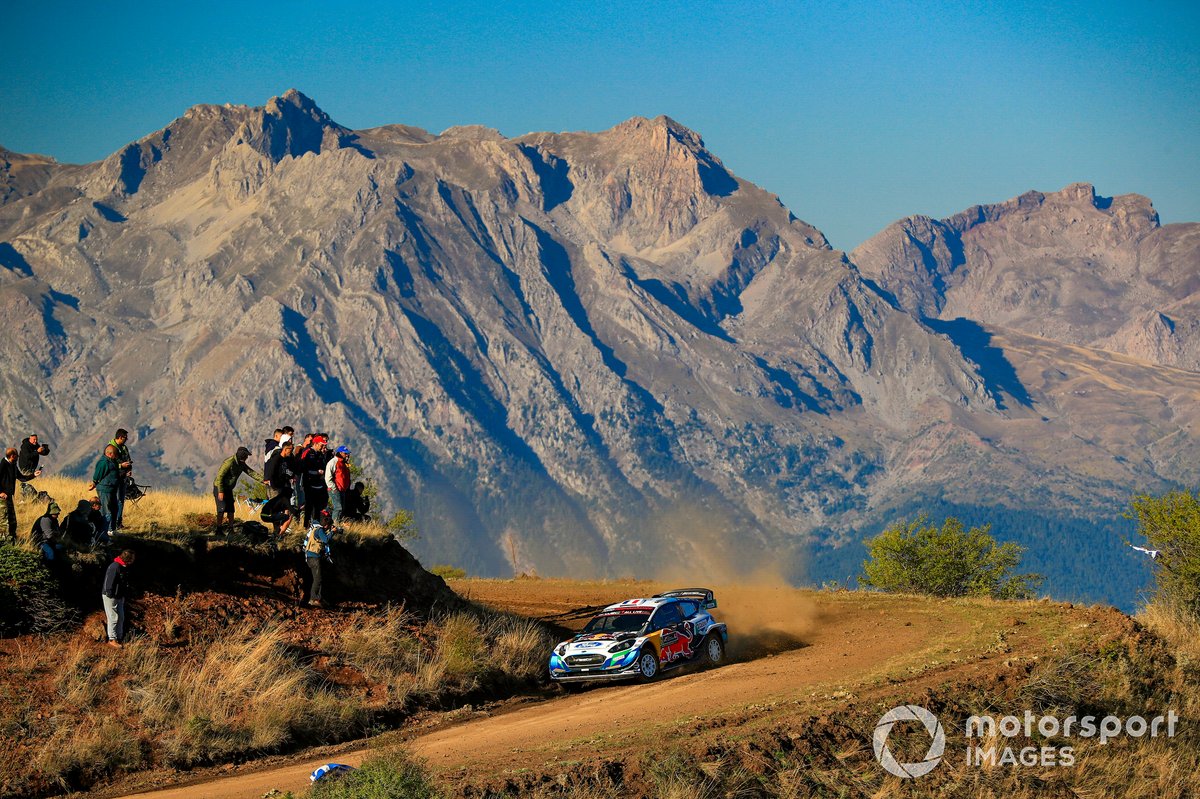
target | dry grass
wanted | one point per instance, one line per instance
(247, 693)
(457, 652)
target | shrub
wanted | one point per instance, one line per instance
(403, 526)
(449, 572)
(30, 599)
(915, 557)
(390, 774)
(1171, 525)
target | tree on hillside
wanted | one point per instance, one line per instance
(920, 558)
(1171, 526)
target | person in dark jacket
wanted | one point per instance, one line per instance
(358, 504)
(9, 476)
(31, 455)
(84, 526)
(106, 479)
(125, 463)
(227, 477)
(278, 474)
(312, 462)
(113, 595)
(46, 534)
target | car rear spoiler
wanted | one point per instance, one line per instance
(703, 595)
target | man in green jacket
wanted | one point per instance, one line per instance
(125, 462)
(227, 477)
(106, 479)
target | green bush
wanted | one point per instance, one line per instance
(390, 774)
(1171, 525)
(30, 598)
(447, 572)
(919, 558)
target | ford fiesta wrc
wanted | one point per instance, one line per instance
(642, 638)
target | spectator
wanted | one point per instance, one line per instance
(358, 505)
(9, 475)
(312, 462)
(106, 478)
(278, 475)
(113, 596)
(85, 525)
(31, 454)
(337, 481)
(227, 477)
(46, 534)
(298, 472)
(316, 549)
(271, 443)
(125, 464)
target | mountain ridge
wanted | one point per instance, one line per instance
(572, 353)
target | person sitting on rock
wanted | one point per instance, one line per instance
(358, 504)
(46, 534)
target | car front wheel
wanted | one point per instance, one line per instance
(647, 664)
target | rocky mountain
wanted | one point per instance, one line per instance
(584, 353)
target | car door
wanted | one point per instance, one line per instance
(676, 635)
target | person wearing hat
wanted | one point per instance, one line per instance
(337, 481)
(312, 463)
(227, 477)
(45, 533)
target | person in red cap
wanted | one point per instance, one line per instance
(312, 463)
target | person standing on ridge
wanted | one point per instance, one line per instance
(113, 596)
(31, 454)
(106, 478)
(227, 477)
(125, 464)
(337, 481)
(9, 475)
(298, 472)
(313, 462)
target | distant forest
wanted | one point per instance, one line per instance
(1083, 559)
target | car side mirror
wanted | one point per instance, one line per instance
(710, 604)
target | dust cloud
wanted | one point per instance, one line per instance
(765, 613)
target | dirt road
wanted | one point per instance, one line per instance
(800, 651)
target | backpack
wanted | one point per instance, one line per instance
(312, 544)
(255, 531)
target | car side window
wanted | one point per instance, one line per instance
(689, 609)
(667, 616)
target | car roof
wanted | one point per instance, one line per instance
(649, 603)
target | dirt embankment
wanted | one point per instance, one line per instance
(798, 657)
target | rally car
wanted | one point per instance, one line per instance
(641, 638)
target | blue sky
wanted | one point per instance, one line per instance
(856, 114)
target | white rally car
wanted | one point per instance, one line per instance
(641, 638)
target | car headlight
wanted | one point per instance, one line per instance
(561, 651)
(620, 646)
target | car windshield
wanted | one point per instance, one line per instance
(626, 622)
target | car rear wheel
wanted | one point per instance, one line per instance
(712, 652)
(647, 664)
